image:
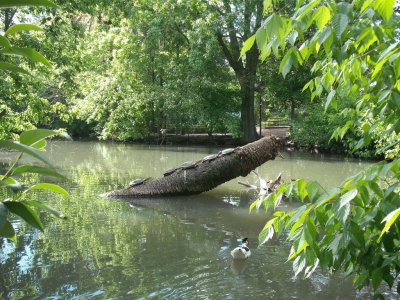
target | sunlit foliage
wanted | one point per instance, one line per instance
(354, 228)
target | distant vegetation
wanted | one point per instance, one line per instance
(123, 71)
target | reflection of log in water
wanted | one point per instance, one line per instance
(205, 175)
(207, 211)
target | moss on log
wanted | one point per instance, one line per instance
(206, 174)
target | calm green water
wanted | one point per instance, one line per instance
(176, 248)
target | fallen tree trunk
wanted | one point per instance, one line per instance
(206, 174)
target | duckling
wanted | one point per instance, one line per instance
(243, 251)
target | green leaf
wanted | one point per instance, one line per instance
(26, 52)
(300, 220)
(287, 62)
(22, 27)
(268, 231)
(366, 4)
(254, 204)
(384, 95)
(45, 207)
(376, 278)
(292, 37)
(309, 84)
(12, 68)
(346, 198)
(391, 189)
(360, 144)
(50, 187)
(16, 3)
(343, 213)
(273, 24)
(313, 189)
(302, 188)
(266, 52)
(261, 38)
(329, 99)
(3, 214)
(7, 231)
(325, 34)
(267, 4)
(366, 38)
(328, 196)
(306, 9)
(25, 149)
(322, 16)
(384, 8)
(376, 188)
(248, 44)
(344, 7)
(340, 22)
(389, 219)
(40, 145)
(299, 264)
(361, 279)
(4, 42)
(37, 170)
(30, 137)
(11, 183)
(25, 212)
(305, 52)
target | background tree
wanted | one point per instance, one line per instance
(235, 22)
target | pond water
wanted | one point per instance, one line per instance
(176, 248)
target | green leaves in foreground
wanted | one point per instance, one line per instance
(26, 52)
(6, 48)
(354, 229)
(16, 3)
(25, 212)
(25, 149)
(30, 143)
(22, 27)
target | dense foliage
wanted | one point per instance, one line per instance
(31, 142)
(355, 48)
(126, 73)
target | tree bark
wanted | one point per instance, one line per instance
(247, 113)
(8, 17)
(206, 175)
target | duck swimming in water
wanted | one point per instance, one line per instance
(243, 251)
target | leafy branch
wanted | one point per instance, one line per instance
(32, 143)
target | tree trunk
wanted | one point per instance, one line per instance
(245, 70)
(8, 17)
(206, 175)
(247, 111)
